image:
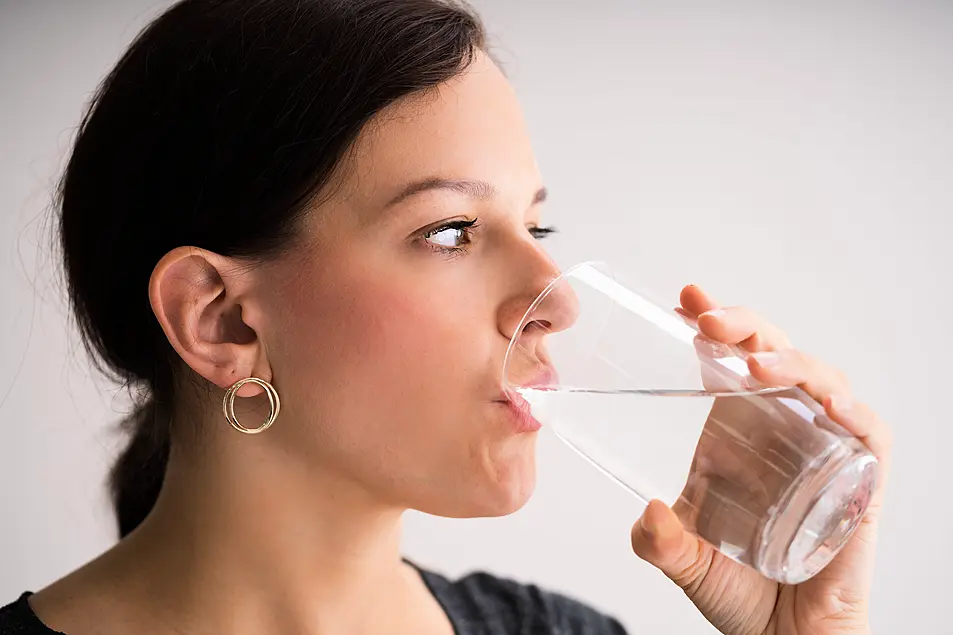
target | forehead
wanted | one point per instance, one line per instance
(469, 128)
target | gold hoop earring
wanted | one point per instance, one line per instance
(228, 405)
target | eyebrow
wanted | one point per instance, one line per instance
(479, 190)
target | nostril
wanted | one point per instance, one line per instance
(542, 325)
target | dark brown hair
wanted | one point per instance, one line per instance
(216, 128)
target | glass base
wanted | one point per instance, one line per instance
(818, 515)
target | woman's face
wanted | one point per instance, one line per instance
(387, 325)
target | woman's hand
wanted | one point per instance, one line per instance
(737, 599)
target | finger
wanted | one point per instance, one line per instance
(739, 325)
(694, 300)
(861, 421)
(790, 367)
(714, 378)
(659, 538)
(687, 316)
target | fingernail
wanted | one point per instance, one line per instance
(840, 403)
(766, 359)
(715, 313)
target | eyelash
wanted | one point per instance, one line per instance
(467, 226)
(540, 233)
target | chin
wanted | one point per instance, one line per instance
(490, 502)
(501, 490)
(514, 499)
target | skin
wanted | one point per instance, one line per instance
(386, 350)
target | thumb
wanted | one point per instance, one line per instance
(659, 538)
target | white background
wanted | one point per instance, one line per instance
(795, 157)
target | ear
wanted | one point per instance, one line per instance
(199, 306)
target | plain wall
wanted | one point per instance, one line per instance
(795, 157)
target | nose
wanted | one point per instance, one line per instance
(556, 311)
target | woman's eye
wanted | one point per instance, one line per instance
(542, 232)
(451, 237)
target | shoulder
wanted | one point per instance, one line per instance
(17, 618)
(487, 604)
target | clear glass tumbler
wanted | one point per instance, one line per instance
(761, 473)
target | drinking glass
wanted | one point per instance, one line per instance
(761, 473)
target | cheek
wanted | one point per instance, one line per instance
(404, 335)
(401, 330)
(378, 352)
(392, 380)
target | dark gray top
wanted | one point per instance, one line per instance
(478, 604)
(482, 604)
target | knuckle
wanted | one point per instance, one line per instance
(772, 335)
(841, 377)
(879, 431)
(836, 376)
(757, 320)
(739, 315)
(800, 359)
(783, 340)
(690, 576)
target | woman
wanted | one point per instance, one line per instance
(339, 201)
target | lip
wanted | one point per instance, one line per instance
(520, 413)
(519, 408)
(545, 378)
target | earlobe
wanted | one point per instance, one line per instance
(199, 308)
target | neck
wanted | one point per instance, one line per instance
(244, 537)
